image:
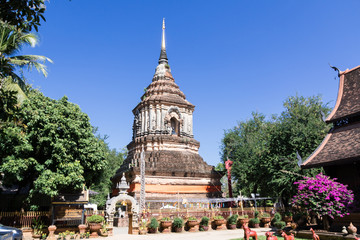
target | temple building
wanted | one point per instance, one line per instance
(163, 135)
(339, 153)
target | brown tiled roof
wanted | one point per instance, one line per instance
(340, 146)
(348, 100)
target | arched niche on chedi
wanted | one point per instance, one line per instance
(173, 121)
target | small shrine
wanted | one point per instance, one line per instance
(163, 139)
(339, 153)
(128, 211)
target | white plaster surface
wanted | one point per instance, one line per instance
(121, 233)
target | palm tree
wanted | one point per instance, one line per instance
(11, 42)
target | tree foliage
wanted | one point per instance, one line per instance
(24, 14)
(265, 151)
(113, 159)
(51, 149)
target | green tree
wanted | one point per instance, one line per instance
(24, 14)
(114, 159)
(51, 149)
(299, 129)
(265, 151)
(246, 146)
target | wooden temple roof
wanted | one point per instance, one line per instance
(340, 146)
(348, 100)
(342, 143)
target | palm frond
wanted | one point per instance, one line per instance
(31, 61)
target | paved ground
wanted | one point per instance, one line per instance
(121, 233)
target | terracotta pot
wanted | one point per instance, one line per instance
(51, 229)
(177, 229)
(94, 229)
(192, 225)
(256, 225)
(219, 223)
(165, 226)
(152, 230)
(352, 229)
(203, 228)
(82, 228)
(243, 221)
(266, 221)
(231, 226)
(142, 231)
(36, 236)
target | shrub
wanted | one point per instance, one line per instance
(204, 221)
(232, 219)
(323, 196)
(254, 221)
(218, 217)
(288, 214)
(192, 218)
(178, 223)
(280, 224)
(95, 219)
(256, 214)
(153, 223)
(165, 219)
(277, 218)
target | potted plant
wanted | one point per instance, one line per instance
(243, 220)
(178, 224)
(104, 231)
(192, 222)
(288, 218)
(165, 224)
(276, 218)
(87, 235)
(142, 227)
(265, 219)
(254, 222)
(153, 225)
(43, 236)
(94, 223)
(231, 221)
(300, 218)
(279, 226)
(204, 224)
(219, 221)
(67, 235)
(37, 227)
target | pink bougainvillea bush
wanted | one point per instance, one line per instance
(323, 195)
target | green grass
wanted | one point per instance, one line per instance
(264, 238)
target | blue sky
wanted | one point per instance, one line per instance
(230, 58)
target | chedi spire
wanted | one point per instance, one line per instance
(163, 58)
